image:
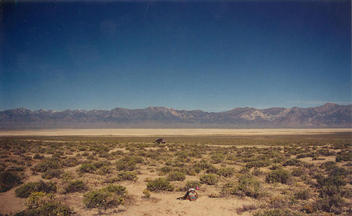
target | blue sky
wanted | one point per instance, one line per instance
(212, 56)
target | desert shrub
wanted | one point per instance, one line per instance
(104, 170)
(191, 184)
(298, 171)
(190, 171)
(276, 212)
(211, 169)
(344, 156)
(326, 152)
(25, 190)
(258, 163)
(244, 170)
(38, 156)
(110, 196)
(332, 203)
(292, 162)
(302, 195)
(88, 168)
(176, 176)
(182, 156)
(128, 163)
(159, 184)
(279, 175)
(202, 165)
(70, 162)
(328, 165)
(245, 208)
(127, 176)
(146, 193)
(8, 180)
(52, 173)
(166, 169)
(226, 172)
(42, 204)
(335, 179)
(331, 190)
(101, 164)
(15, 169)
(304, 155)
(217, 158)
(210, 179)
(229, 188)
(75, 186)
(49, 163)
(257, 172)
(249, 186)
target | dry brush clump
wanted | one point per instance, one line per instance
(43, 204)
(159, 184)
(9, 180)
(25, 190)
(75, 186)
(209, 179)
(108, 197)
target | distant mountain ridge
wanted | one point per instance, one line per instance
(327, 115)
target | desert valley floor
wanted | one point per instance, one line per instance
(261, 172)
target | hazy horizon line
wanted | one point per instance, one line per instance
(180, 109)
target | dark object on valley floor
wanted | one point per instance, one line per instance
(191, 195)
(159, 140)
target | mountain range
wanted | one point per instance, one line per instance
(328, 115)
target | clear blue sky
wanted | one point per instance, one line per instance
(212, 56)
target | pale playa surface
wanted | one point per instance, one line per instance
(170, 132)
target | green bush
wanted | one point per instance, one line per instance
(217, 158)
(226, 172)
(42, 204)
(127, 176)
(279, 175)
(146, 193)
(75, 186)
(328, 165)
(191, 184)
(202, 165)
(8, 180)
(159, 184)
(302, 195)
(276, 212)
(176, 176)
(210, 179)
(70, 162)
(49, 163)
(88, 168)
(212, 169)
(52, 173)
(249, 186)
(25, 190)
(332, 203)
(344, 156)
(128, 163)
(166, 169)
(110, 196)
(298, 171)
(292, 162)
(104, 170)
(258, 163)
(38, 156)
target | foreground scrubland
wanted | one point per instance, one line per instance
(254, 175)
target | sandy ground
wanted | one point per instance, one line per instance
(171, 132)
(160, 204)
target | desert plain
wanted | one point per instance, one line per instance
(260, 172)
